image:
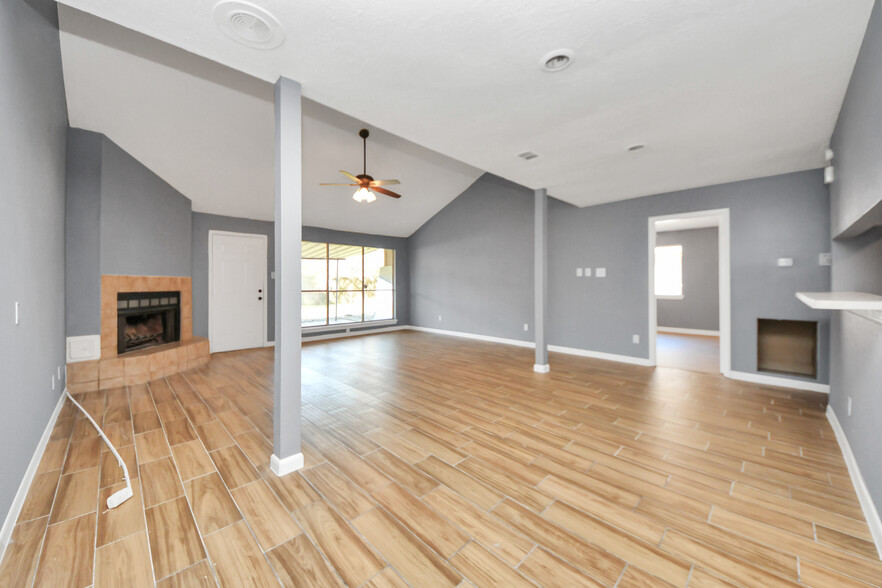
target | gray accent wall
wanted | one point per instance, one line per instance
(145, 223)
(402, 262)
(83, 234)
(121, 219)
(202, 224)
(856, 351)
(32, 149)
(700, 306)
(779, 216)
(472, 263)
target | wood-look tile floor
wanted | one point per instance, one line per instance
(433, 461)
(698, 353)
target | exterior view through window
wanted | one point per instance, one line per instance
(669, 271)
(344, 284)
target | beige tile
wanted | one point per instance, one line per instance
(122, 521)
(233, 466)
(212, 504)
(63, 561)
(77, 495)
(192, 460)
(160, 481)
(124, 563)
(20, 561)
(237, 559)
(174, 539)
(151, 446)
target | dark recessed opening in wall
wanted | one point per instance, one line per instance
(787, 347)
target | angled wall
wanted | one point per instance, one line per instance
(856, 354)
(32, 149)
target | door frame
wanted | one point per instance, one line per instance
(721, 216)
(211, 234)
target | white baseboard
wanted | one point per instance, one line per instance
(22, 494)
(541, 368)
(781, 382)
(679, 331)
(286, 465)
(502, 340)
(351, 334)
(269, 344)
(83, 348)
(600, 355)
(860, 487)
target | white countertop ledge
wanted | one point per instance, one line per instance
(841, 300)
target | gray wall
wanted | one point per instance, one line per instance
(779, 216)
(402, 261)
(145, 223)
(472, 263)
(856, 351)
(121, 219)
(82, 233)
(32, 152)
(700, 306)
(202, 223)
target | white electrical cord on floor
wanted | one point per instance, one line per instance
(121, 496)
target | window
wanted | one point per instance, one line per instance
(669, 271)
(344, 284)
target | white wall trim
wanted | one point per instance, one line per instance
(269, 344)
(781, 382)
(83, 348)
(347, 333)
(286, 465)
(679, 331)
(860, 487)
(503, 340)
(541, 369)
(720, 219)
(601, 355)
(22, 494)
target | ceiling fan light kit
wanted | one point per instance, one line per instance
(367, 186)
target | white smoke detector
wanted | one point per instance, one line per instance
(248, 24)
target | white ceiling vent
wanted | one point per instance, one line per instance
(528, 155)
(248, 24)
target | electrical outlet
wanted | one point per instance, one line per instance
(439, 318)
(272, 275)
(526, 327)
(578, 272)
(59, 373)
(17, 320)
(849, 406)
(635, 338)
(825, 259)
(53, 381)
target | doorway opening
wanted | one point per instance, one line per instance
(689, 295)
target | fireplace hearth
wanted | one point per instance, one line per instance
(147, 319)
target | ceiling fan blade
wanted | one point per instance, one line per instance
(351, 177)
(385, 191)
(384, 182)
(323, 184)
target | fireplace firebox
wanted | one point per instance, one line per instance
(146, 319)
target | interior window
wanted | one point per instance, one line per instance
(669, 271)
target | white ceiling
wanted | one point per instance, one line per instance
(208, 131)
(718, 91)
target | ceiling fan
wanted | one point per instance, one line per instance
(365, 183)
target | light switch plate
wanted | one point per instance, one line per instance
(587, 272)
(785, 262)
(635, 338)
(578, 272)
(825, 259)
(600, 272)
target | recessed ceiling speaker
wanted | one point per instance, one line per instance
(248, 24)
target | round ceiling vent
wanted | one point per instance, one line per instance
(558, 60)
(248, 24)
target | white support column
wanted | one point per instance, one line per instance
(540, 279)
(286, 456)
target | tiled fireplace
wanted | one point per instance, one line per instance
(146, 333)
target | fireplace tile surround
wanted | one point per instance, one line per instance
(137, 367)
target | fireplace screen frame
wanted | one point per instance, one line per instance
(165, 304)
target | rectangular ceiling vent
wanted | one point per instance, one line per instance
(528, 155)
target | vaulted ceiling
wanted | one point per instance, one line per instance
(716, 91)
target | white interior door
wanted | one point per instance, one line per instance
(236, 290)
